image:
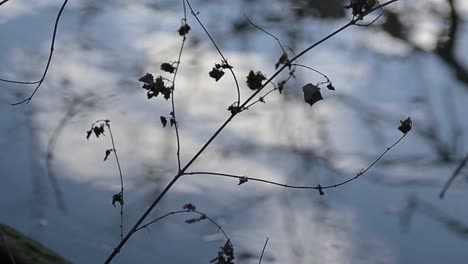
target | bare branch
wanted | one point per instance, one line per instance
(263, 251)
(228, 120)
(41, 80)
(454, 175)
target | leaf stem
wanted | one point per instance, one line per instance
(218, 49)
(121, 181)
(176, 125)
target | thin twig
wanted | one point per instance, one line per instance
(185, 211)
(19, 82)
(159, 218)
(12, 259)
(454, 175)
(219, 51)
(221, 128)
(176, 125)
(350, 23)
(39, 83)
(312, 69)
(121, 180)
(369, 167)
(315, 187)
(263, 251)
(266, 32)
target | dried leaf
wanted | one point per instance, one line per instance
(194, 220)
(311, 94)
(216, 73)
(172, 121)
(359, 7)
(282, 60)
(254, 80)
(405, 125)
(184, 29)
(189, 207)
(108, 152)
(148, 78)
(234, 109)
(166, 92)
(281, 86)
(167, 67)
(319, 188)
(117, 198)
(243, 180)
(225, 254)
(226, 65)
(98, 130)
(88, 133)
(163, 121)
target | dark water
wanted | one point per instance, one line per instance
(366, 221)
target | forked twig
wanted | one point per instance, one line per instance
(228, 120)
(202, 215)
(242, 178)
(41, 80)
(217, 48)
(119, 197)
(266, 32)
(176, 70)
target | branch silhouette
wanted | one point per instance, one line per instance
(3, 2)
(181, 172)
(455, 173)
(263, 250)
(46, 69)
(243, 179)
(224, 60)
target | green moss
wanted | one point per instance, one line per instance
(25, 250)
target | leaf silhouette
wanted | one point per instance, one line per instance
(108, 152)
(172, 121)
(88, 133)
(189, 207)
(167, 67)
(216, 73)
(98, 130)
(243, 180)
(117, 198)
(163, 121)
(311, 94)
(184, 29)
(282, 60)
(254, 80)
(148, 78)
(405, 125)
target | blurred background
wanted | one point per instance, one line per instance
(56, 188)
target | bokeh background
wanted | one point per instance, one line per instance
(412, 62)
